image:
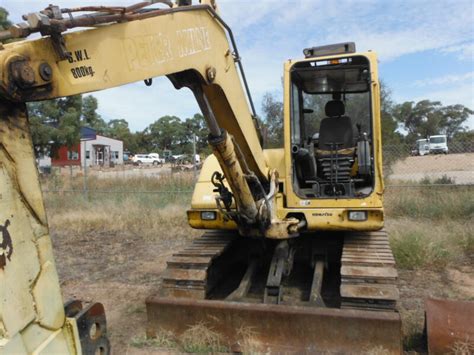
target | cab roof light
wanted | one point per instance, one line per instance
(331, 49)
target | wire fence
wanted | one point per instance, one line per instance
(407, 166)
(404, 167)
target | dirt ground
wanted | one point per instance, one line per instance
(459, 167)
(122, 271)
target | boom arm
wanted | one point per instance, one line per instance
(188, 44)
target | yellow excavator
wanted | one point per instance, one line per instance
(294, 248)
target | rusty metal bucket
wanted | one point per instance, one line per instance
(280, 328)
(449, 326)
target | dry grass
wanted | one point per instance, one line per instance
(163, 340)
(199, 338)
(438, 203)
(463, 348)
(125, 218)
(430, 226)
(140, 206)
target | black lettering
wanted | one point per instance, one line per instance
(83, 71)
(78, 55)
(85, 52)
(69, 57)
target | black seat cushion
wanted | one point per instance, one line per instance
(336, 130)
(334, 108)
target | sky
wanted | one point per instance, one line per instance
(425, 49)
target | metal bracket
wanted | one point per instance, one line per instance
(281, 265)
(92, 326)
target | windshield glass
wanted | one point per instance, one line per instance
(357, 107)
(437, 139)
(316, 84)
(422, 143)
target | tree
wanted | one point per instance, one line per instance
(272, 121)
(119, 129)
(55, 123)
(90, 117)
(167, 132)
(426, 118)
(196, 125)
(4, 22)
(389, 123)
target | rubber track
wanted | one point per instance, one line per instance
(187, 272)
(368, 274)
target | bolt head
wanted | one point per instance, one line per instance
(45, 71)
(211, 74)
(26, 75)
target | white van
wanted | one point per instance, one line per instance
(422, 147)
(438, 144)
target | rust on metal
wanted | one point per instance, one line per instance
(368, 274)
(280, 328)
(449, 324)
(187, 272)
(6, 246)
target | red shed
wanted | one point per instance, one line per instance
(67, 156)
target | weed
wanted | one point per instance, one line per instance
(417, 245)
(163, 339)
(413, 323)
(201, 339)
(433, 203)
(135, 309)
(443, 180)
(463, 348)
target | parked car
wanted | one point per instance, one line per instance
(139, 159)
(438, 144)
(422, 147)
(156, 156)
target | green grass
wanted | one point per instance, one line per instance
(430, 226)
(432, 203)
(435, 244)
(162, 340)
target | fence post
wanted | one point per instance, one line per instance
(86, 195)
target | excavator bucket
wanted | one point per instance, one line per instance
(251, 327)
(449, 326)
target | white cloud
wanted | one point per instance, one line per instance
(460, 94)
(464, 51)
(445, 79)
(141, 105)
(269, 32)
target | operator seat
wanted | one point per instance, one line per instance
(336, 148)
(335, 128)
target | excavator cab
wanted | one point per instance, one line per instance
(331, 126)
